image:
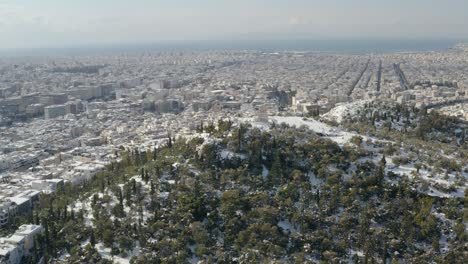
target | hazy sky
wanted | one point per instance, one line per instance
(38, 23)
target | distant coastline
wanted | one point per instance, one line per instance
(339, 46)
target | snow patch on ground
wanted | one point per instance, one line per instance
(410, 171)
(227, 154)
(287, 226)
(105, 253)
(347, 109)
(339, 136)
(265, 172)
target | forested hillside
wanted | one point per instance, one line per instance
(235, 193)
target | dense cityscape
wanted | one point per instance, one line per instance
(65, 120)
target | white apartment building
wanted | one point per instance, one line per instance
(18, 245)
(8, 209)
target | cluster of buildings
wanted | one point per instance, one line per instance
(66, 125)
(431, 79)
(17, 196)
(51, 105)
(14, 248)
(458, 110)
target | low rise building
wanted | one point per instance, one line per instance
(49, 185)
(8, 209)
(18, 245)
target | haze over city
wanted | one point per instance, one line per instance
(56, 23)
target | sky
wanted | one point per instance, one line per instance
(61, 23)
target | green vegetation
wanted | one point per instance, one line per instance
(429, 138)
(250, 196)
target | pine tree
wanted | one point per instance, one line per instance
(239, 137)
(380, 175)
(30, 217)
(355, 259)
(120, 196)
(275, 174)
(59, 213)
(155, 153)
(65, 216)
(158, 172)
(435, 244)
(92, 239)
(169, 142)
(152, 188)
(200, 127)
(137, 157)
(134, 187)
(103, 185)
(51, 210)
(35, 250)
(383, 161)
(46, 233)
(384, 253)
(36, 218)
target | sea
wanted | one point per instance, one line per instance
(342, 46)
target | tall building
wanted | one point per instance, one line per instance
(54, 111)
(71, 108)
(53, 99)
(86, 92)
